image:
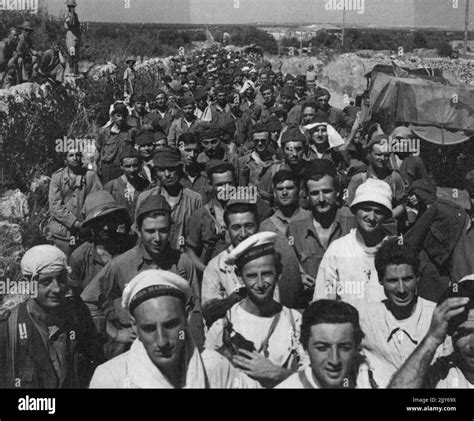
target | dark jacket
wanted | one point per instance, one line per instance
(435, 236)
(27, 364)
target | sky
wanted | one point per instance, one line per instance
(386, 13)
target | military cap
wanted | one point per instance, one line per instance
(293, 134)
(144, 138)
(167, 158)
(152, 203)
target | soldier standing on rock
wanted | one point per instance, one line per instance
(73, 36)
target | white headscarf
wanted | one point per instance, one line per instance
(43, 260)
(334, 138)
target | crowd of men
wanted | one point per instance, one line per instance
(239, 231)
(20, 62)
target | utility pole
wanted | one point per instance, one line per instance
(343, 24)
(466, 28)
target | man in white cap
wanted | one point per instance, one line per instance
(454, 316)
(269, 351)
(49, 340)
(164, 354)
(347, 270)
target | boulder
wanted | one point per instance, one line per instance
(13, 205)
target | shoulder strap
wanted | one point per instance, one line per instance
(264, 346)
(304, 380)
(12, 340)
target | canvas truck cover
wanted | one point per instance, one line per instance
(442, 111)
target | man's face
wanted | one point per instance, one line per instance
(268, 96)
(286, 194)
(14, 35)
(253, 77)
(241, 226)
(154, 234)
(139, 107)
(263, 78)
(188, 111)
(294, 152)
(130, 167)
(309, 113)
(210, 146)
(161, 325)
(323, 102)
(320, 135)
(192, 84)
(105, 229)
(52, 289)
(400, 285)
(332, 351)
(261, 141)
(279, 79)
(322, 195)
(463, 343)
(118, 119)
(221, 99)
(287, 101)
(250, 94)
(168, 176)
(299, 90)
(160, 100)
(260, 277)
(189, 153)
(378, 156)
(291, 83)
(160, 144)
(222, 181)
(146, 151)
(74, 159)
(370, 218)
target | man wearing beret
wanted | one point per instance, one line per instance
(200, 96)
(164, 114)
(334, 116)
(145, 146)
(184, 124)
(153, 251)
(127, 188)
(48, 341)
(454, 316)
(257, 162)
(214, 112)
(164, 354)
(110, 142)
(294, 145)
(194, 175)
(168, 168)
(262, 113)
(210, 136)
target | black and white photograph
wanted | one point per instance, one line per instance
(236, 194)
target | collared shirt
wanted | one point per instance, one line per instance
(280, 223)
(205, 235)
(54, 339)
(388, 342)
(347, 271)
(219, 279)
(306, 241)
(256, 168)
(107, 286)
(200, 184)
(188, 202)
(85, 263)
(304, 379)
